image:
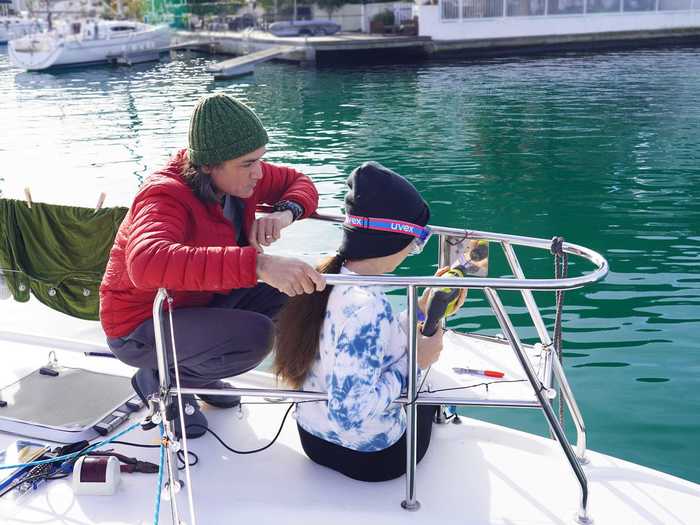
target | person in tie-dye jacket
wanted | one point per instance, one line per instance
(348, 341)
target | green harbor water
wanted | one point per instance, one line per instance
(602, 149)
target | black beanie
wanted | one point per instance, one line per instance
(376, 191)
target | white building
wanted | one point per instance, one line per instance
(464, 20)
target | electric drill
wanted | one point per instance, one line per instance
(443, 301)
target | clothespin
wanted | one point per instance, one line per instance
(28, 197)
(101, 200)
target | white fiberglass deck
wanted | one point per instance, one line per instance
(474, 473)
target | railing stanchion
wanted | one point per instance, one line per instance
(565, 391)
(443, 260)
(530, 303)
(564, 387)
(411, 503)
(164, 378)
(512, 337)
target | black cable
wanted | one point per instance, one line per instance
(181, 459)
(180, 453)
(486, 384)
(279, 431)
(140, 445)
(43, 475)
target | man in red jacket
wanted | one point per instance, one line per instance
(192, 229)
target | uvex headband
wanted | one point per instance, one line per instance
(421, 233)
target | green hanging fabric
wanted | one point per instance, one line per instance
(57, 252)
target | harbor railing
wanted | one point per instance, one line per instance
(491, 286)
(453, 10)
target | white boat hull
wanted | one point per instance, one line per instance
(35, 54)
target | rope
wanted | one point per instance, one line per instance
(74, 454)
(156, 513)
(561, 270)
(190, 497)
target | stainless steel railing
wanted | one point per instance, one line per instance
(490, 287)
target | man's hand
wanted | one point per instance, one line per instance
(288, 275)
(267, 229)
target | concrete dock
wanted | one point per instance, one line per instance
(341, 48)
(359, 48)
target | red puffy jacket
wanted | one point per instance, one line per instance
(171, 239)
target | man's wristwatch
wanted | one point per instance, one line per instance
(296, 209)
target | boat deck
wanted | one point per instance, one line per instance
(475, 473)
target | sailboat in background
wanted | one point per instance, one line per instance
(89, 40)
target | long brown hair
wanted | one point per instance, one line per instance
(299, 329)
(199, 182)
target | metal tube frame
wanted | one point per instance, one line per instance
(443, 260)
(411, 503)
(512, 337)
(173, 483)
(286, 396)
(555, 366)
(412, 400)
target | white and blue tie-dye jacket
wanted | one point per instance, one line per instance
(362, 364)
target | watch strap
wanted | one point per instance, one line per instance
(296, 209)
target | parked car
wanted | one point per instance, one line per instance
(239, 23)
(304, 28)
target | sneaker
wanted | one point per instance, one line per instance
(220, 401)
(145, 383)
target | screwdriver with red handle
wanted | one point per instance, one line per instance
(477, 372)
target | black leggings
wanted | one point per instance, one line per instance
(381, 465)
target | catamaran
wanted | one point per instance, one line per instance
(474, 472)
(89, 42)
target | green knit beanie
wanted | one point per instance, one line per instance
(223, 128)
